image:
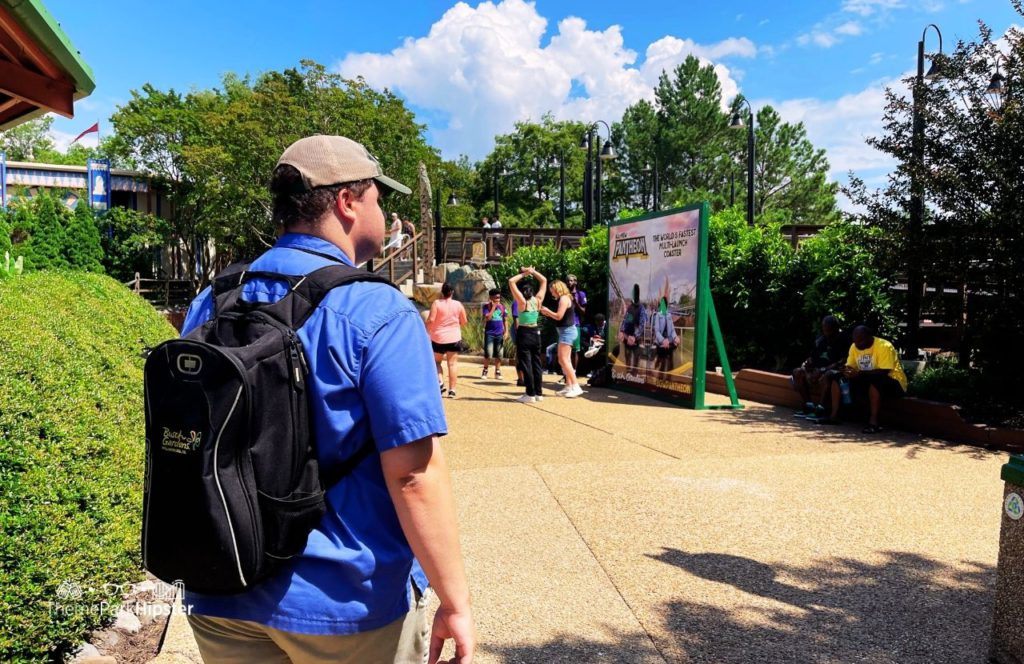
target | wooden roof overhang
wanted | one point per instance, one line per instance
(40, 70)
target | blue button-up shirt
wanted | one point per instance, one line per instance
(371, 374)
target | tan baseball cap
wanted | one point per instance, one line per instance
(327, 160)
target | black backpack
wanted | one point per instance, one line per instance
(232, 484)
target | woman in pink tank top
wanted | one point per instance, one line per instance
(444, 324)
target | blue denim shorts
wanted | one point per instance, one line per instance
(567, 335)
(493, 346)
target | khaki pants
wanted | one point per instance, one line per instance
(228, 641)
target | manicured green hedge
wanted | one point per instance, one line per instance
(71, 454)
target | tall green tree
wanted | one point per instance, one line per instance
(693, 137)
(154, 130)
(82, 249)
(972, 179)
(27, 140)
(525, 164)
(216, 149)
(790, 174)
(44, 249)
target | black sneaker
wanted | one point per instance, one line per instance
(451, 394)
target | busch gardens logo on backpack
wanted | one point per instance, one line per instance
(179, 442)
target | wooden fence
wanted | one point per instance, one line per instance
(163, 292)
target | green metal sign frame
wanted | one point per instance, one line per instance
(706, 319)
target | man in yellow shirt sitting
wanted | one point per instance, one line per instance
(873, 368)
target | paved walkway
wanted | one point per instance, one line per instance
(613, 528)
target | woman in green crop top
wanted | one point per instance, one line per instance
(528, 347)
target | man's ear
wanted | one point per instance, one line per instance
(343, 206)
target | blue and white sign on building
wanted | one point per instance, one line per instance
(98, 173)
(3, 180)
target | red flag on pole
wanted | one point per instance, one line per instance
(94, 128)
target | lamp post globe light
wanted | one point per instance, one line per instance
(603, 153)
(645, 172)
(737, 123)
(995, 93)
(915, 278)
(438, 244)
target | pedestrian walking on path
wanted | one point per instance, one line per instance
(356, 592)
(445, 321)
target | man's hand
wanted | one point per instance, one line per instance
(664, 343)
(631, 340)
(458, 627)
(850, 372)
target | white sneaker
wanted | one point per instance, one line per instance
(574, 392)
(538, 398)
(526, 398)
(562, 392)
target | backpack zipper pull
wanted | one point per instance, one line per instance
(296, 362)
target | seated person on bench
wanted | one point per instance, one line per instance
(873, 368)
(830, 351)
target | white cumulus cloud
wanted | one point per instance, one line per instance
(485, 67)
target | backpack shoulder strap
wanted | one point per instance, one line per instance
(306, 294)
(329, 478)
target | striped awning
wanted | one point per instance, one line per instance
(53, 179)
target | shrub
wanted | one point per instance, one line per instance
(590, 265)
(550, 262)
(944, 381)
(71, 454)
(5, 231)
(129, 239)
(589, 262)
(757, 291)
(840, 265)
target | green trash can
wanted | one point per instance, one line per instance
(1008, 622)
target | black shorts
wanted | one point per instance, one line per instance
(888, 387)
(441, 349)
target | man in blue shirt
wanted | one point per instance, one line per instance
(356, 593)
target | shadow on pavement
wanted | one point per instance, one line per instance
(905, 609)
(760, 418)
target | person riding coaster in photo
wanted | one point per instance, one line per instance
(666, 339)
(631, 331)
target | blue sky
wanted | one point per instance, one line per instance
(471, 70)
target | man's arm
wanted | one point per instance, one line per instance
(420, 486)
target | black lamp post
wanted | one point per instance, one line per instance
(656, 187)
(499, 172)
(452, 202)
(915, 277)
(560, 160)
(603, 154)
(644, 172)
(737, 123)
